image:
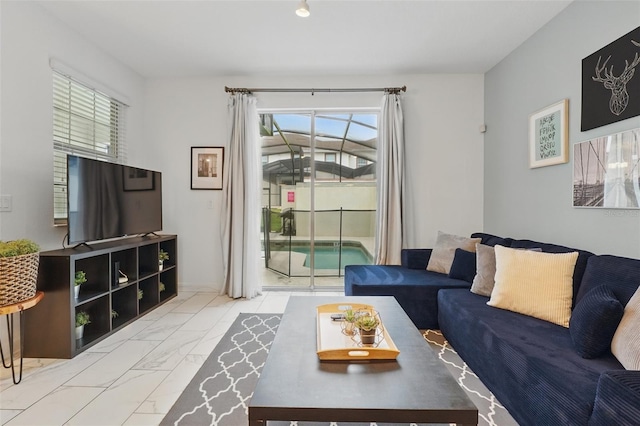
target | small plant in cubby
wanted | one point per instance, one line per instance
(162, 287)
(82, 319)
(114, 314)
(78, 280)
(162, 256)
(140, 294)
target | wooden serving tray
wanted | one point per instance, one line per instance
(334, 345)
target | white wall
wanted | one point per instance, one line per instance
(29, 37)
(537, 203)
(443, 152)
(167, 117)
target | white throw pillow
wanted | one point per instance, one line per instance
(534, 283)
(445, 250)
(626, 340)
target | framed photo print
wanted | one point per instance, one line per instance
(606, 171)
(206, 167)
(549, 135)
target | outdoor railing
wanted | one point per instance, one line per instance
(342, 237)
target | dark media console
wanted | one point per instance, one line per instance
(123, 283)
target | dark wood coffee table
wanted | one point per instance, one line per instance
(296, 385)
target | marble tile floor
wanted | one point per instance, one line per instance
(135, 375)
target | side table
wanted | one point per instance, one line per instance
(10, 310)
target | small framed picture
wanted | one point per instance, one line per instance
(549, 135)
(206, 167)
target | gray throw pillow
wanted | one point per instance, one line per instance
(484, 280)
(445, 250)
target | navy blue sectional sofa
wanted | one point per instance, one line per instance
(530, 365)
(415, 288)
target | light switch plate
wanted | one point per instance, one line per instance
(6, 203)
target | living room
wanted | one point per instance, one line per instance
(458, 179)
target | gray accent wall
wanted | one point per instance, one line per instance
(537, 203)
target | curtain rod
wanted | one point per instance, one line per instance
(395, 90)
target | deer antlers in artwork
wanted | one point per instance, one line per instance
(618, 85)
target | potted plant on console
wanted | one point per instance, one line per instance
(367, 324)
(19, 261)
(162, 256)
(82, 319)
(78, 280)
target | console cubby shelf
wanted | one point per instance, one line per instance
(116, 272)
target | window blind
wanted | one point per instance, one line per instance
(86, 123)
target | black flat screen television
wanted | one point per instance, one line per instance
(107, 200)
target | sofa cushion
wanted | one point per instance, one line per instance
(594, 321)
(415, 290)
(483, 281)
(445, 248)
(415, 258)
(619, 273)
(581, 263)
(463, 266)
(528, 364)
(492, 240)
(534, 283)
(626, 340)
(617, 399)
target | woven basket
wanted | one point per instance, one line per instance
(18, 276)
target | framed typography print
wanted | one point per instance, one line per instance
(549, 135)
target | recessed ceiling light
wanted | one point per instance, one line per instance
(303, 9)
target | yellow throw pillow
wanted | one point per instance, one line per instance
(626, 341)
(534, 283)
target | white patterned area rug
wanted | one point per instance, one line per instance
(219, 393)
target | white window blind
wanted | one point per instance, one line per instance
(86, 123)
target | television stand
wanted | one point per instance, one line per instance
(111, 302)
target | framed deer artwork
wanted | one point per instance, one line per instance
(610, 83)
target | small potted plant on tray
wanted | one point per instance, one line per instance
(349, 322)
(368, 325)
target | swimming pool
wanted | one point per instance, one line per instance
(327, 254)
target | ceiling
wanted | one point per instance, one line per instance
(188, 38)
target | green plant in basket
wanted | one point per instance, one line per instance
(82, 318)
(18, 248)
(18, 270)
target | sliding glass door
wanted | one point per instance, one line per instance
(319, 195)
